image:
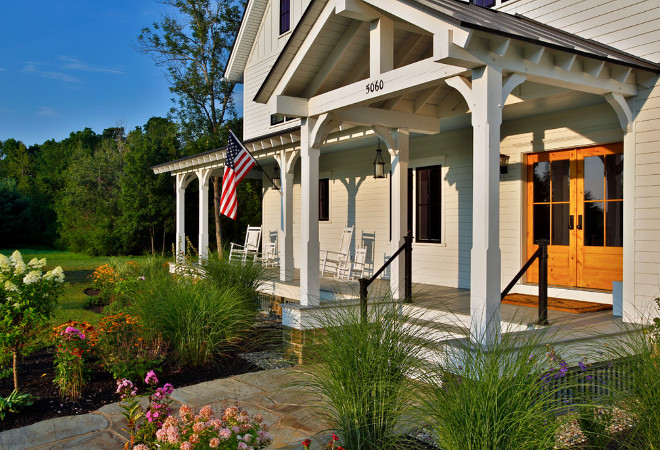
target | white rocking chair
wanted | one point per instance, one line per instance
(250, 249)
(269, 254)
(331, 261)
(351, 270)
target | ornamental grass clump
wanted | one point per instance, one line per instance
(234, 430)
(28, 298)
(497, 395)
(637, 349)
(75, 342)
(197, 319)
(361, 374)
(248, 276)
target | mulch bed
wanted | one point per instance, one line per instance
(36, 373)
(556, 304)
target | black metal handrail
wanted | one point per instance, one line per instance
(542, 254)
(407, 278)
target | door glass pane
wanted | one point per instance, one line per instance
(614, 224)
(614, 176)
(561, 180)
(594, 174)
(541, 222)
(542, 181)
(560, 214)
(594, 218)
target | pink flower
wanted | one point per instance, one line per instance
(206, 411)
(224, 433)
(235, 429)
(242, 446)
(194, 439)
(172, 435)
(140, 447)
(198, 427)
(151, 378)
(186, 446)
(168, 388)
(214, 443)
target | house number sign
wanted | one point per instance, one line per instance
(375, 86)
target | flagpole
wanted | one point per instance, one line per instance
(255, 161)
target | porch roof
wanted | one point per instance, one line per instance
(454, 14)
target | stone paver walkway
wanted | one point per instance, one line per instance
(285, 407)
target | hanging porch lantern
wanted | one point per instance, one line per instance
(379, 164)
(504, 163)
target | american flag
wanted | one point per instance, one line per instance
(238, 163)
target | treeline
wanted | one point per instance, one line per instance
(97, 194)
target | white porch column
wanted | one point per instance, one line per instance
(182, 181)
(310, 288)
(485, 257)
(203, 175)
(399, 158)
(285, 235)
(632, 312)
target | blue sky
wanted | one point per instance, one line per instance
(66, 65)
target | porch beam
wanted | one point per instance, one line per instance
(400, 81)
(539, 64)
(363, 115)
(356, 9)
(423, 98)
(288, 106)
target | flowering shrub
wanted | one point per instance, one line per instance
(142, 423)
(333, 443)
(235, 429)
(125, 350)
(114, 280)
(27, 300)
(74, 345)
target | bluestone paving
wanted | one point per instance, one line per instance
(285, 408)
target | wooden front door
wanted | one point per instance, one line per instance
(575, 200)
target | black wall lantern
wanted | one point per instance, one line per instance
(379, 164)
(277, 182)
(504, 163)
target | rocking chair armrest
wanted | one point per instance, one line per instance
(336, 255)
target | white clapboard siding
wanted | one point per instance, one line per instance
(629, 26)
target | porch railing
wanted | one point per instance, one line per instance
(541, 254)
(406, 249)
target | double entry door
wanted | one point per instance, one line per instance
(575, 201)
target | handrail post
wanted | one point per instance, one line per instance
(364, 283)
(408, 268)
(543, 282)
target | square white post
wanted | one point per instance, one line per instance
(399, 211)
(310, 288)
(203, 175)
(485, 257)
(180, 192)
(285, 238)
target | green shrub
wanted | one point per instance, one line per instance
(247, 277)
(498, 395)
(14, 403)
(197, 319)
(361, 374)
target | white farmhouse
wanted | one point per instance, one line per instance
(566, 90)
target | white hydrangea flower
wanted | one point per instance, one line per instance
(16, 257)
(19, 266)
(58, 273)
(36, 263)
(9, 286)
(5, 264)
(32, 277)
(42, 263)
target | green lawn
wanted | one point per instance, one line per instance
(77, 270)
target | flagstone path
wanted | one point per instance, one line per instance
(271, 393)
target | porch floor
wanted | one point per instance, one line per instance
(449, 305)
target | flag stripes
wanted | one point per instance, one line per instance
(238, 163)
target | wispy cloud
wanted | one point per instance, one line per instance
(47, 111)
(2, 69)
(34, 68)
(72, 63)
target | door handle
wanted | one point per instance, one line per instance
(579, 225)
(571, 222)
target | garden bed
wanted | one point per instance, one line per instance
(36, 375)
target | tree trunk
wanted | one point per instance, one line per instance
(15, 368)
(162, 252)
(152, 237)
(216, 214)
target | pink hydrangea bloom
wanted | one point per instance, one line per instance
(224, 433)
(140, 447)
(186, 446)
(242, 446)
(214, 443)
(198, 427)
(194, 438)
(206, 411)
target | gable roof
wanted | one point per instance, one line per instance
(470, 16)
(247, 33)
